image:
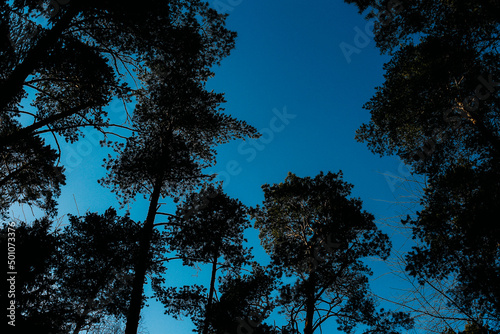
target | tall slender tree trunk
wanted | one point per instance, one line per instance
(141, 266)
(310, 303)
(210, 294)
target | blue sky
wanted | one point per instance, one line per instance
(288, 61)
(288, 77)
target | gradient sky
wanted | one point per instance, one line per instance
(288, 77)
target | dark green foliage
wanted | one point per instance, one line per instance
(419, 112)
(310, 205)
(184, 301)
(443, 52)
(245, 302)
(458, 238)
(474, 21)
(177, 122)
(318, 236)
(82, 57)
(471, 328)
(107, 245)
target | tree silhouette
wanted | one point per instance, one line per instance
(207, 229)
(69, 280)
(177, 125)
(69, 63)
(457, 239)
(245, 302)
(29, 175)
(98, 255)
(470, 328)
(38, 307)
(438, 101)
(318, 236)
(438, 111)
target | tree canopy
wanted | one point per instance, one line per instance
(297, 222)
(64, 63)
(438, 111)
(69, 279)
(72, 62)
(177, 124)
(208, 228)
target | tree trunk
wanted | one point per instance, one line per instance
(210, 294)
(81, 320)
(142, 261)
(11, 87)
(310, 303)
